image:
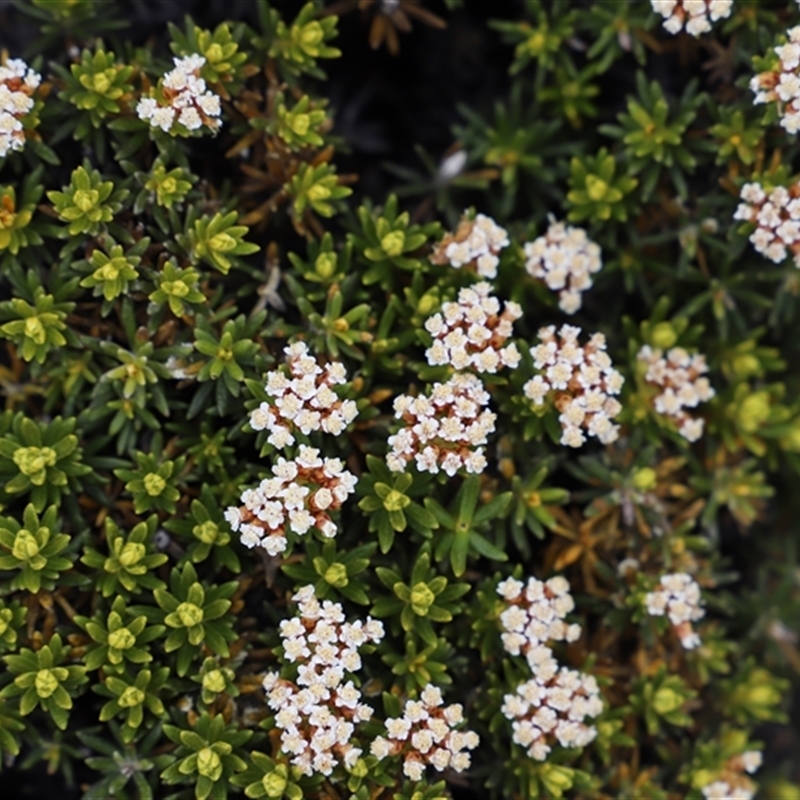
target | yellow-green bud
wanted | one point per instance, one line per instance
(175, 288)
(336, 575)
(319, 192)
(221, 243)
(753, 411)
(154, 484)
(666, 700)
(33, 461)
(209, 764)
(131, 697)
(132, 553)
(214, 53)
(121, 639)
(34, 329)
(86, 199)
(427, 304)
(45, 683)
(275, 782)
(396, 501)
(536, 43)
(101, 82)
(214, 681)
(300, 123)
(760, 691)
(664, 335)
(596, 188)
(422, 598)
(325, 265)
(745, 365)
(392, 244)
(359, 769)
(207, 532)
(25, 546)
(111, 269)
(189, 614)
(644, 479)
(310, 35)
(557, 779)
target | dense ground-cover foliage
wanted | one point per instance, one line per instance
(331, 468)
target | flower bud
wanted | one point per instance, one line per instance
(189, 614)
(422, 599)
(209, 764)
(392, 244)
(644, 479)
(666, 700)
(214, 681)
(325, 265)
(336, 575)
(121, 639)
(663, 335)
(275, 782)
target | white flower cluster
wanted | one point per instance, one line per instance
(543, 709)
(474, 245)
(426, 734)
(782, 85)
(445, 431)
(305, 402)
(678, 596)
(187, 101)
(299, 496)
(535, 616)
(318, 713)
(777, 219)
(681, 377)
(473, 333)
(582, 380)
(17, 83)
(697, 15)
(734, 785)
(722, 790)
(557, 700)
(565, 259)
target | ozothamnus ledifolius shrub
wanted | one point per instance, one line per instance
(483, 487)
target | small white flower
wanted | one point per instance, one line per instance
(564, 258)
(752, 760)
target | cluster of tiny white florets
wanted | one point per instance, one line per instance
(565, 259)
(318, 711)
(684, 385)
(546, 709)
(735, 785)
(582, 380)
(300, 495)
(777, 219)
(782, 84)
(678, 597)
(696, 15)
(426, 734)
(186, 100)
(445, 430)
(474, 245)
(305, 401)
(18, 82)
(554, 704)
(535, 616)
(472, 333)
